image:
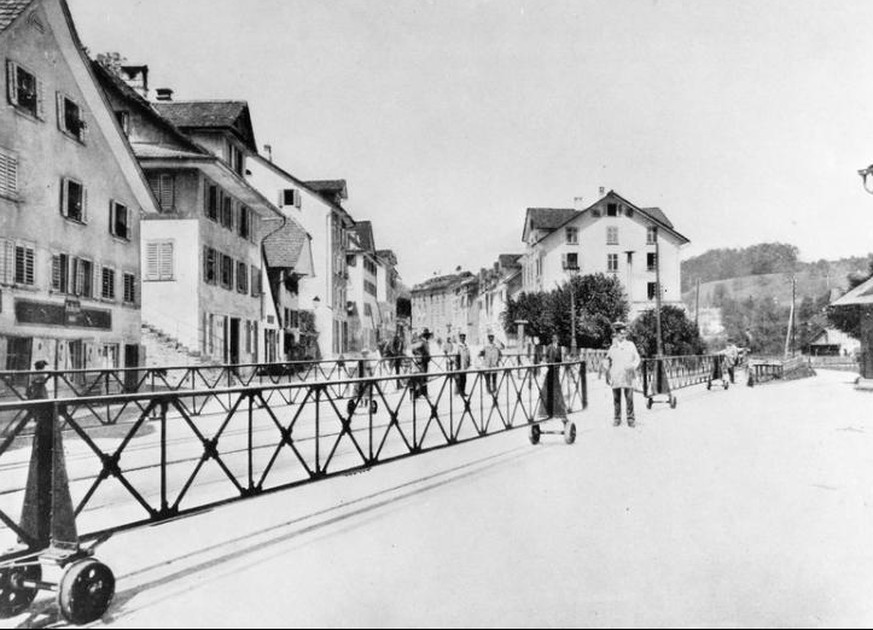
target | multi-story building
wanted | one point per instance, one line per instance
(71, 198)
(387, 292)
(434, 304)
(202, 269)
(611, 236)
(317, 208)
(496, 286)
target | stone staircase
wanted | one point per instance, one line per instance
(163, 349)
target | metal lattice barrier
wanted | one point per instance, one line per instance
(172, 453)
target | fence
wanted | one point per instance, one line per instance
(172, 453)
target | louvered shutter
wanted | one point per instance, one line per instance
(4, 267)
(56, 272)
(152, 254)
(8, 175)
(64, 196)
(40, 98)
(62, 122)
(11, 82)
(166, 264)
(85, 216)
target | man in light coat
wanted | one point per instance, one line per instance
(462, 360)
(622, 361)
(491, 359)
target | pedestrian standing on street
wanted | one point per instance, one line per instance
(491, 359)
(462, 361)
(622, 361)
(449, 352)
(421, 352)
(731, 353)
(37, 389)
(551, 397)
(396, 352)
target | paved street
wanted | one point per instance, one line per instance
(744, 507)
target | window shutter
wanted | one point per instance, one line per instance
(64, 196)
(40, 99)
(112, 222)
(11, 82)
(152, 261)
(205, 264)
(166, 257)
(8, 174)
(128, 227)
(56, 272)
(28, 266)
(84, 204)
(59, 98)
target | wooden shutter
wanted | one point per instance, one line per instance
(8, 174)
(65, 192)
(62, 123)
(85, 216)
(152, 254)
(166, 264)
(56, 272)
(40, 98)
(11, 82)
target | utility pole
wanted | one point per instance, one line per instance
(660, 343)
(573, 348)
(697, 307)
(789, 336)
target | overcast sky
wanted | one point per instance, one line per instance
(744, 121)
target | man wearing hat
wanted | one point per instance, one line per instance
(491, 359)
(37, 389)
(622, 361)
(421, 351)
(462, 363)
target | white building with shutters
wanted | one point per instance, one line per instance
(202, 263)
(71, 199)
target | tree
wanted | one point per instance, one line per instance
(679, 334)
(598, 299)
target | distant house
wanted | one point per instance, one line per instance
(612, 236)
(831, 342)
(71, 200)
(496, 286)
(862, 296)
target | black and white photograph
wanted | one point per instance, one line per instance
(436, 313)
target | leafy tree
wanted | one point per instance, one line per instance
(599, 300)
(679, 334)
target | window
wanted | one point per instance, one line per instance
(651, 290)
(256, 281)
(651, 235)
(227, 212)
(164, 188)
(74, 200)
(119, 220)
(612, 263)
(572, 234)
(244, 225)
(7, 265)
(235, 158)
(570, 260)
(226, 271)
(24, 263)
(8, 174)
(612, 209)
(370, 288)
(70, 119)
(83, 277)
(651, 261)
(60, 273)
(212, 202)
(612, 235)
(210, 256)
(242, 278)
(159, 260)
(129, 295)
(24, 90)
(107, 283)
(123, 118)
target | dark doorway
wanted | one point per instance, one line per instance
(131, 359)
(234, 340)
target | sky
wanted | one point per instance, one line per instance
(744, 121)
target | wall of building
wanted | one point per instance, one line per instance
(44, 155)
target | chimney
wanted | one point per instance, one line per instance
(164, 94)
(601, 191)
(137, 77)
(268, 149)
(578, 203)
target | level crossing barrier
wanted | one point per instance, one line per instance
(159, 460)
(664, 375)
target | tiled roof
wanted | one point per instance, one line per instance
(11, 9)
(550, 218)
(364, 233)
(443, 282)
(861, 294)
(658, 215)
(283, 247)
(508, 261)
(201, 113)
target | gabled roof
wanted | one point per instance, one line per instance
(547, 219)
(861, 294)
(387, 255)
(10, 10)
(658, 215)
(439, 283)
(509, 261)
(283, 248)
(363, 233)
(212, 115)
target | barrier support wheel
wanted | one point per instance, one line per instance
(15, 598)
(570, 432)
(534, 434)
(649, 402)
(708, 385)
(350, 407)
(85, 590)
(374, 406)
(673, 402)
(726, 384)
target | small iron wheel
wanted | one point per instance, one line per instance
(570, 432)
(534, 434)
(15, 598)
(85, 591)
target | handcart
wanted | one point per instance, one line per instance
(656, 383)
(718, 372)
